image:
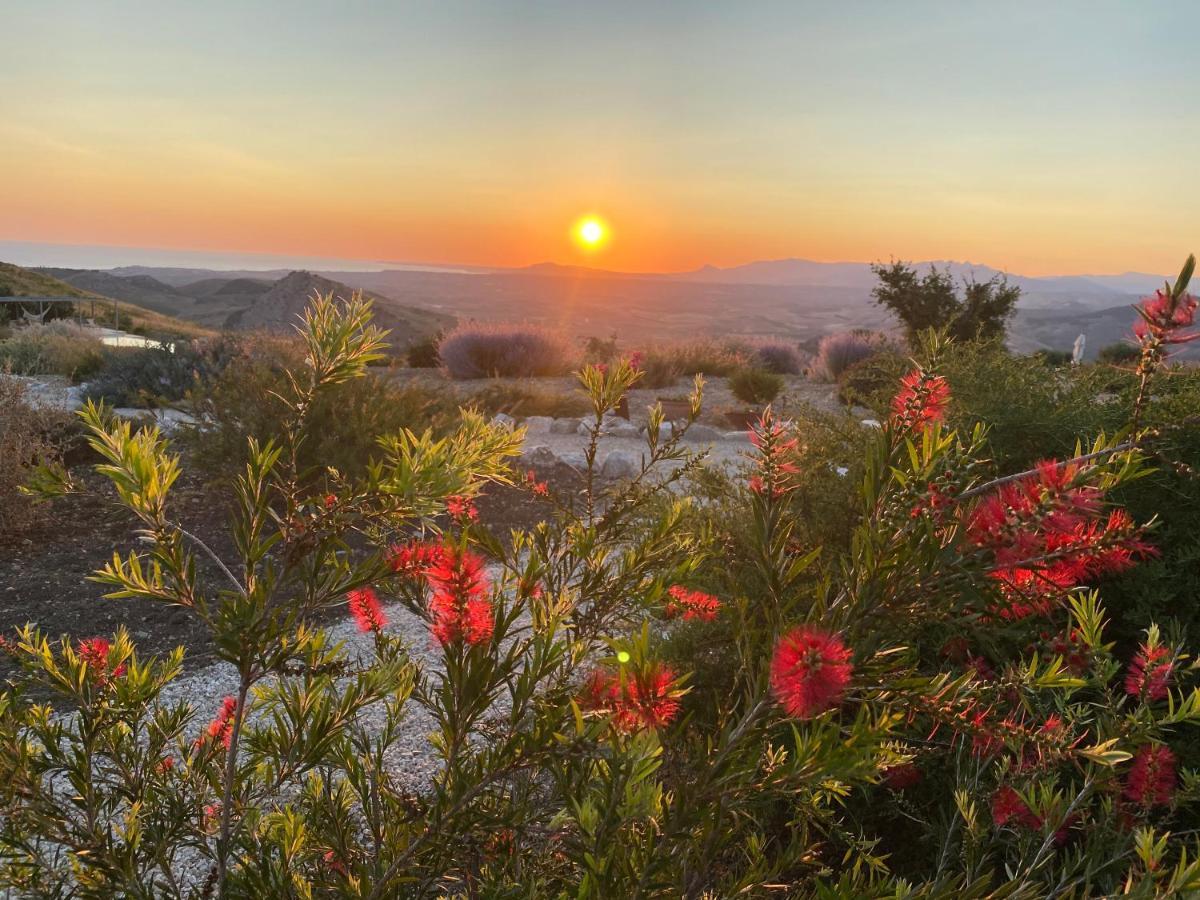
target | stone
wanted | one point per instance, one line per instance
(622, 429)
(538, 425)
(620, 464)
(742, 436)
(564, 426)
(504, 419)
(575, 459)
(538, 457)
(665, 430)
(871, 423)
(702, 433)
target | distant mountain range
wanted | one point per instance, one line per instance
(791, 298)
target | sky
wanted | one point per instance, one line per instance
(1041, 138)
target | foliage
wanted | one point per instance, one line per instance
(423, 354)
(838, 352)
(931, 301)
(1118, 354)
(29, 439)
(155, 376)
(1055, 358)
(58, 348)
(931, 706)
(244, 398)
(664, 364)
(756, 387)
(778, 358)
(490, 351)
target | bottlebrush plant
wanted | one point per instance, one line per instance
(938, 714)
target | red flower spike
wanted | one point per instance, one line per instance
(922, 400)
(460, 609)
(1151, 780)
(640, 702)
(1008, 806)
(414, 558)
(810, 671)
(94, 652)
(461, 509)
(1150, 673)
(220, 729)
(692, 606)
(367, 611)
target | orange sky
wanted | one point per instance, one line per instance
(702, 136)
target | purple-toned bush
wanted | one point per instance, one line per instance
(492, 351)
(838, 352)
(778, 358)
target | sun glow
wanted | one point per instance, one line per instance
(591, 232)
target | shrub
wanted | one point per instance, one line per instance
(490, 351)
(345, 421)
(424, 353)
(1055, 358)
(664, 364)
(57, 348)
(871, 382)
(1119, 354)
(778, 358)
(838, 352)
(156, 376)
(755, 386)
(525, 400)
(930, 301)
(938, 710)
(27, 441)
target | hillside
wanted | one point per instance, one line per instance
(281, 307)
(22, 282)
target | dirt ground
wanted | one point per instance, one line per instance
(44, 571)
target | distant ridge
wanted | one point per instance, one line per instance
(282, 307)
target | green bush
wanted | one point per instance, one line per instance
(872, 381)
(58, 348)
(1055, 358)
(155, 376)
(346, 420)
(424, 353)
(1119, 354)
(756, 387)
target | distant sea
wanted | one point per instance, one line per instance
(87, 256)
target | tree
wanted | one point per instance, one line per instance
(931, 301)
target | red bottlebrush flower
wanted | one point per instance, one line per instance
(635, 360)
(210, 816)
(365, 607)
(775, 460)
(330, 501)
(220, 729)
(165, 765)
(922, 399)
(1151, 780)
(460, 609)
(638, 702)
(539, 488)
(1161, 318)
(1150, 673)
(414, 558)
(810, 671)
(901, 777)
(1008, 806)
(461, 509)
(691, 605)
(94, 652)
(334, 862)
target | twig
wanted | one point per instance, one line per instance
(213, 556)
(995, 483)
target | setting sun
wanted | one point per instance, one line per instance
(591, 232)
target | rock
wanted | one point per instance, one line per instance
(622, 429)
(504, 419)
(539, 457)
(702, 433)
(860, 412)
(743, 436)
(74, 396)
(564, 426)
(583, 429)
(620, 464)
(871, 423)
(538, 425)
(576, 460)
